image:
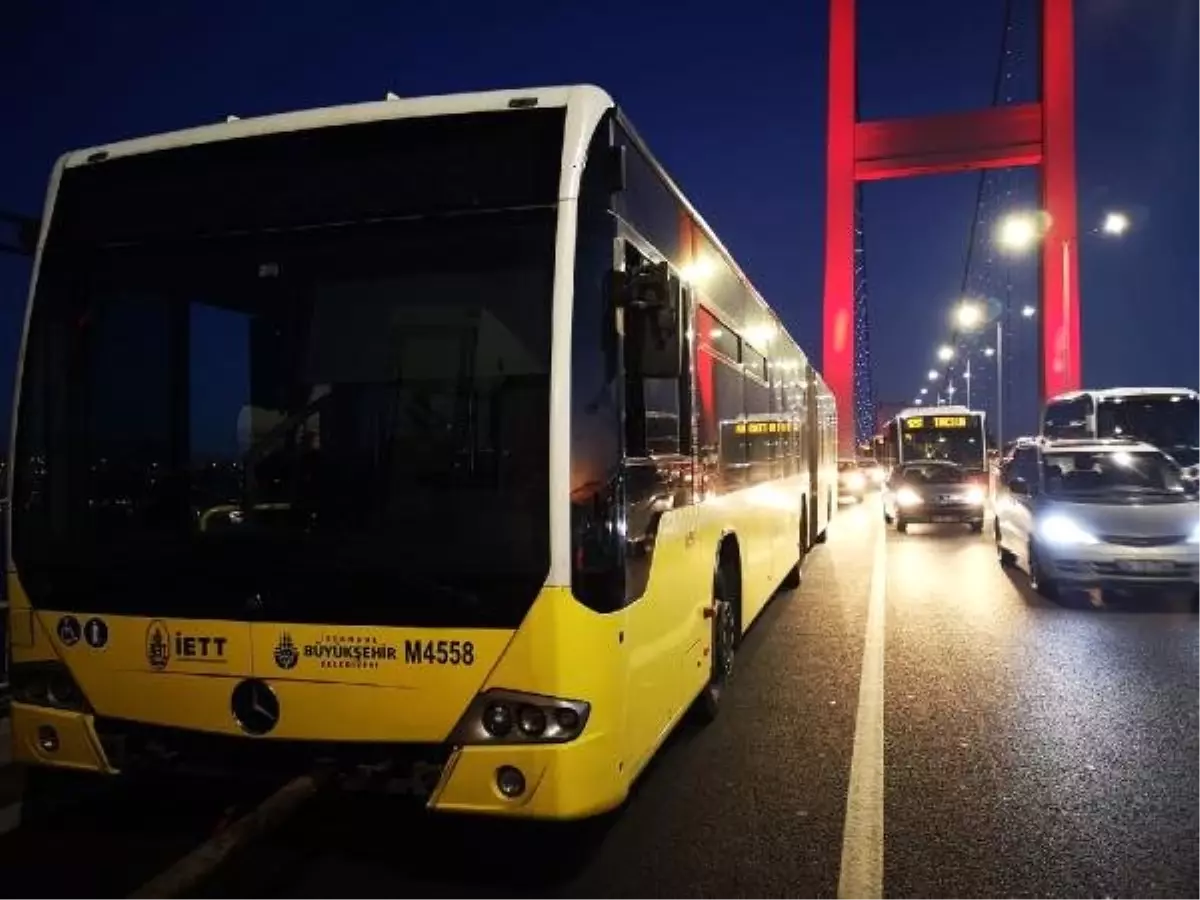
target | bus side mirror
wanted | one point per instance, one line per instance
(650, 299)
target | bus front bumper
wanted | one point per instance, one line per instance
(537, 781)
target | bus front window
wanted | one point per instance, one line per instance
(348, 421)
(962, 446)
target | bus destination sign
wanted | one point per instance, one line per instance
(918, 422)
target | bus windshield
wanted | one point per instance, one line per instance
(959, 440)
(1170, 422)
(345, 422)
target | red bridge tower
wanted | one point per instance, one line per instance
(1031, 134)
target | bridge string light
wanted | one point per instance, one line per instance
(986, 278)
(864, 386)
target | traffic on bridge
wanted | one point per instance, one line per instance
(416, 496)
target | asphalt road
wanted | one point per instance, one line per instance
(1028, 749)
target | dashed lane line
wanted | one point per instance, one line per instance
(861, 873)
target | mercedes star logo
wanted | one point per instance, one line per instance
(255, 707)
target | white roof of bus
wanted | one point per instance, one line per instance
(1095, 445)
(1118, 392)
(400, 108)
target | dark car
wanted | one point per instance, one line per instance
(933, 492)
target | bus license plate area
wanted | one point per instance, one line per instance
(134, 747)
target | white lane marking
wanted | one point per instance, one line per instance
(193, 868)
(10, 817)
(861, 874)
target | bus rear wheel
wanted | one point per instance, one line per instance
(791, 580)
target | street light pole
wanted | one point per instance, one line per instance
(967, 377)
(1000, 384)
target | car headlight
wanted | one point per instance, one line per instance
(906, 496)
(1195, 536)
(854, 481)
(975, 496)
(1061, 530)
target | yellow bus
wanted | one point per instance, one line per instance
(434, 431)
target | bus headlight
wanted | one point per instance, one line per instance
(47, 683)
(513, 717)
(906, 496)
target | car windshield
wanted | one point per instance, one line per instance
(933, 474)
(1168, 421)
(1111, 473)
(346, 420)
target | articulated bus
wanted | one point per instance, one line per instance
(952, 433)
(438, 430)
(1168, 418)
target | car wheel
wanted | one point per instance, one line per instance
(901, 525)
(1037, 577)
(1004, 556)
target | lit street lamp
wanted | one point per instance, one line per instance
(972, 315)
(969, 315)
(1018, 232)
(1115, 224)
(934, 375)
(945, 353)
(924, 391)
(1028, 311)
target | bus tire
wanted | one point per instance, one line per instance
(725, 622)
(823, 534)
(791, 580)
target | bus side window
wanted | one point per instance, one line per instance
(653, 422)
(1067, 418)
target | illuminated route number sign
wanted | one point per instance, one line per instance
(936, 422)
